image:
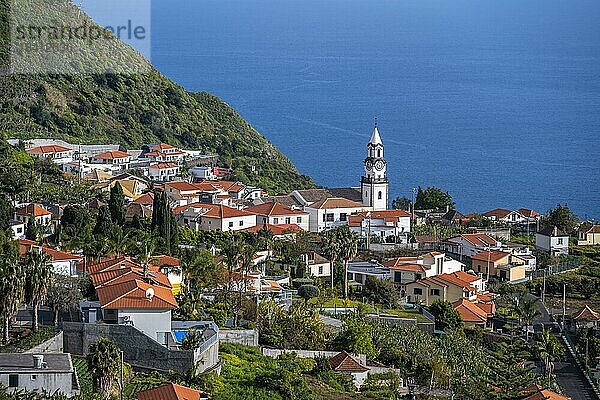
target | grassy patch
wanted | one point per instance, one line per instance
(25, 342)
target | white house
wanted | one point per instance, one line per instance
(163, 152)
(409, 269)
(49, 372)
(115, 159)
(145, 306)
(18, 229)
(58, 154)
(272, 213)
(40, 215)
(62, 262)
(331, 212)
(384, 223)
(163, 172)
(553, 240)
(505, 216)
(181, 193)
(345, 364)
(317, 265)
(469, 244)
(209, 217)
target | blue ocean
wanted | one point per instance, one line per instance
(496, 102)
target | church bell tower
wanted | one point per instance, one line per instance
(374, 183)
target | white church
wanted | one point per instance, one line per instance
(363, 209)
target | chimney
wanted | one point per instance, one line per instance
(38, 361)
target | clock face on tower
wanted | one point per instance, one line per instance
(369, 165)
(379, 165)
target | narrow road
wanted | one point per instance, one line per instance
(568, 374)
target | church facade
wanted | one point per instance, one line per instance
(374, 185)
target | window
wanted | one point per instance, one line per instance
(379, 195)
(299, 220)
(329, 217)
(417, 276)
(33, 377)
(397, 276)
(275, 221)
(13, 381)
(320, 270)
(417, 291)
(241, 223)
(343, 217)
(560, 241)
(435, 292)
(378, 152)
(231, 224)
(288, 220)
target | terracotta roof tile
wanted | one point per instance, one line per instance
(170, 391)
(344, 362)
(49, 149)
(32, 210)
(469, 311)
(132, 294)
(111, 155)
(491, 255)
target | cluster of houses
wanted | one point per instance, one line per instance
(142, 296)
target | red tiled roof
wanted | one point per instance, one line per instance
(132, 294)
(163, 166)
(228, 186)
(538, 393)
(112, 263)
(170, 391)
(111, 155)
(182, 186)
(529, 213)
(491, 255)
(49, 149)
(586, 314)
(478, 239)
(274, 208)
(469, 312)
(277, 230)
(120, 275)
(26, 245)
(499, 213)
(32, 210)
(344, 362)
(145, 199)
(405, 267)
(164, 260)
(161, 146)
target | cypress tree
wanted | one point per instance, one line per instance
(116, 204)
(163, 221)
(103, 222)
(31, 232)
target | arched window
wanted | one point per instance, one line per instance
(378, 152)
(379, 195)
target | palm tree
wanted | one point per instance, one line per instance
(331, 249)
(118, 241)
(12, 281)
(348, 250)
(104, 360)
(38, 279)
(548, 349)
(527, 311)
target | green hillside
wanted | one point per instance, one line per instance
(130, 109)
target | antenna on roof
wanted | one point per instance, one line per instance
(376, 122)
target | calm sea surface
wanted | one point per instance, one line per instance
(497, 102)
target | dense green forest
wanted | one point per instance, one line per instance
(129, 109)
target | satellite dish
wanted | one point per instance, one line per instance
(149, 293)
